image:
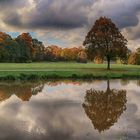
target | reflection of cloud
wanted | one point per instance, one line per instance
(45, 119)
(57, 113)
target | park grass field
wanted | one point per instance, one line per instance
(45, 70)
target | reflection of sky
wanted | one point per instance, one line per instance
(57, 113)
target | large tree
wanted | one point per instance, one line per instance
(105, 39)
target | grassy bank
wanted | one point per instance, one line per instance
(43, 71)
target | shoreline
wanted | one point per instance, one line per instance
(52, 75)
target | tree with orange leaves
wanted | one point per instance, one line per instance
(106, 40)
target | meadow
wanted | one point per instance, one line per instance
(46, 70)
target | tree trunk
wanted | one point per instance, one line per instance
(108, 62)
(108, 85)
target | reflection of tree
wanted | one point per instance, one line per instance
(22, 91)
(59, 82)
(104, 108)
(124, 82)
(25, 93)
(138, 82)
(4, 96)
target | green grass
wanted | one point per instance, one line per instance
(29, 71)
(61, 65)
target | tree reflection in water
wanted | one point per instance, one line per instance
(22, 91)
(104, 107)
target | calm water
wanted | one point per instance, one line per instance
(70, 110)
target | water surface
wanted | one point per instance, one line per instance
(70, 110)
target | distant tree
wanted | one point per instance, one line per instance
(39, 50)
(26, 47)
(98, 59)
(124, 60)
(53, 53)
(74, 52)
(48, 54)
(138, 56)
(82, 57)
(132, 58)
(56, 51)
(106, 40)
(66, 54)
(71, 54)
(9, 48)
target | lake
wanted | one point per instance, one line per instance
(70, 110)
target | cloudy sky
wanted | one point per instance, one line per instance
(66, 22)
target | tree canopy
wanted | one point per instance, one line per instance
(105, 39)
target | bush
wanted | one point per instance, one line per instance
(98, 60)
(134, 59)
(82, 57)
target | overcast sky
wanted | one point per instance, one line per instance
(66, 22)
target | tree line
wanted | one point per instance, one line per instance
(104, 42)
(25, 49)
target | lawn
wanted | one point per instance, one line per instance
(47, 66)
(66, 70)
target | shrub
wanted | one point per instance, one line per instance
(82, 57)
(134, 59)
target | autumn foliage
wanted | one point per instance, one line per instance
(104, 42)
(105, 39)
(134, 58)
(24, 48)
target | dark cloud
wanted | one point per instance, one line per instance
(9, 4)
(13, 19)
(9, 12)
(125, 20)
(65, 14)
(6, 2)
(44, 15)
(123, 13)
(61, 14)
